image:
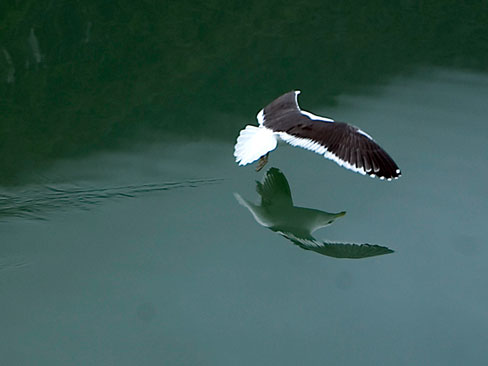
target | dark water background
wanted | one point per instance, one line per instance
(121, 242)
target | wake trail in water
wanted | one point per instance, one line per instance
(13, 263)
(36, 202)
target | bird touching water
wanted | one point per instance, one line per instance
(283, 120)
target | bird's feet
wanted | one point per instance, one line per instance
(262, 162)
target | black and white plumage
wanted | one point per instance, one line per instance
(347, 145)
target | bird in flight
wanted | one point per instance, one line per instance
(283, 120)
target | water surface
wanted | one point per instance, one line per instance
(122, 242)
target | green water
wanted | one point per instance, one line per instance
(121, 239)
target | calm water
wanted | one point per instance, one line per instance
(121, 239)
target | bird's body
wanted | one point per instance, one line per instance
(277, 212)
(283, 120)
(300, 221)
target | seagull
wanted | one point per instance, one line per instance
(278, 213)
(283, 120)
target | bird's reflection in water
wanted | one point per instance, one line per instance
(277, 213)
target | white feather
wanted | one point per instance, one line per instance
(314, 117)
(319, 149)
(254, 142)
(365, 134)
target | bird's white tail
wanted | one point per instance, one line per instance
(254, 142)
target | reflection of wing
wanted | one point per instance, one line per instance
(352, 251)
(338, 250)
(257, 212)
(274, 189)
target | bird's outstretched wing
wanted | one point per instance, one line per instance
(275, 189)
(338, 250)
(347, 145)
(351, 251)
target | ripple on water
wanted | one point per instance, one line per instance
(35, 203)
(13, 263)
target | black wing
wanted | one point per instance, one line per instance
(284, 112)
(345, 144)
